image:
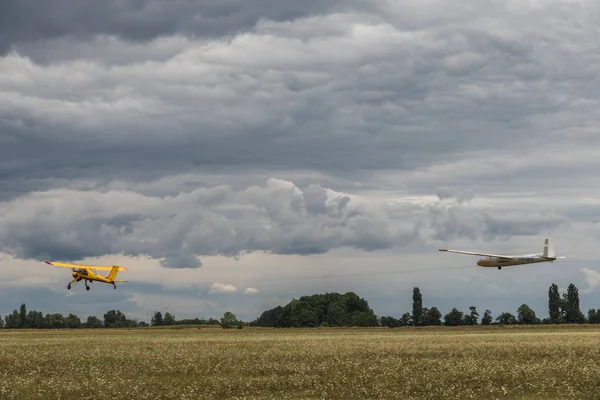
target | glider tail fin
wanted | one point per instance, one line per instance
(549, 249)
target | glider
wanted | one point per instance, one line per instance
(497, 260)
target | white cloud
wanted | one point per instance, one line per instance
(251, 291)
(219, 287)
(592, 278)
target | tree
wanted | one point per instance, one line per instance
(594, 316)
(337, 315)
(157, 319)
(554, 303)
(525, 315)
(454, 318)
(72, 321)
(35, 320)
(23, 316)
(114, 319)
(487, 318)
(54, 321)
(417, 309)
(390, 322)
(364, 318)
(573, 314)
(93, 322)
(169, 319)
(472, 318)
(12, 321)
(310, 311)
(229, 319)
(506, 319)
(433, 316)
(405, 320)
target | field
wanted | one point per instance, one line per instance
(406, 363)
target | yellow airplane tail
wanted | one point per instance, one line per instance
(113, 273)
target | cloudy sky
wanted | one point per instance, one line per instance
(236, 154)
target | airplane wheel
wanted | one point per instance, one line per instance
(69, 286)
(87, 288)
(499, 267)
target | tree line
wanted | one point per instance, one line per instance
(334, 309)
(329, 309)
(32, 319)
(562, 309)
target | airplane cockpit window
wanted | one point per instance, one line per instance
(83, 272)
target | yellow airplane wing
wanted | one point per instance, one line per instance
(94, 267)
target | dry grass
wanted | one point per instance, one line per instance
(430, 363)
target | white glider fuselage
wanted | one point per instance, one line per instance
(499, 261)
(513, 260)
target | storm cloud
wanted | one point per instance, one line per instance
(141, 20)
(338, 92)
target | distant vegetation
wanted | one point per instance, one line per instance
(330, 309)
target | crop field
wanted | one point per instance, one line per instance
(405, 363)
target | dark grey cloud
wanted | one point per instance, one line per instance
(370, 95)
(140, 20)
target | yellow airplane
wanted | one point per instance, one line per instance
(87, 273)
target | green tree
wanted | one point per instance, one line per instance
(364, 318)
(337, 315)
(525, 315)
(389, 322)
(34, 320)
(433, 316)
(417, 308)
(169, 319)
(272, 318)
(573, 314)
(334, 308)
(405, 320)
(487, 318)
(54, 321)
(12, 321)
(115, 319)
(454, 318)
(506, 319)
(93, 322)
(229, 320)
(305, 315)
(72, 321)
(157, 319)
(554, 304)
(472, 318)
(593, 316)
(23, 317)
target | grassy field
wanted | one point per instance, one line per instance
(406, 363)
